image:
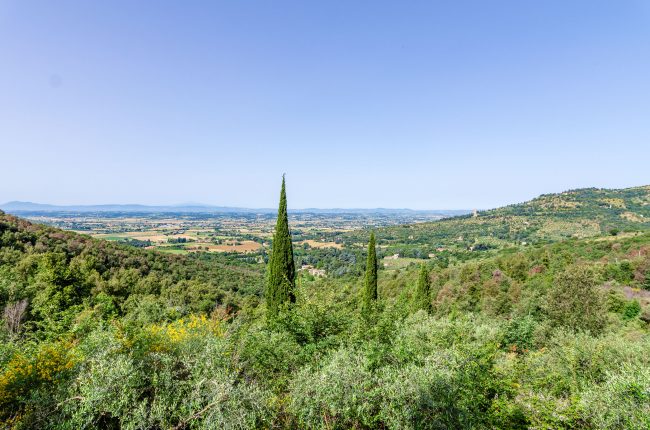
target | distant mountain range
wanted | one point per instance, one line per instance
(17, 207)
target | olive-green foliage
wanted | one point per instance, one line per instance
(282, 271)
(516, 266)
(422, 299)
(570, 380)
(159, 383)
(434, 376)
(621, 272)
(575, 300)
(370, 281)
(622, 401)
(340, 392)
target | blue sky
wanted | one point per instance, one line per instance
(429, 105)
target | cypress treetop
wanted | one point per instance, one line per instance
(282, 271)
(370, 288)
(423, 290)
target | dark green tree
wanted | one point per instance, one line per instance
(282, 271)
(422, 298)
(370, 287)
(646, 283)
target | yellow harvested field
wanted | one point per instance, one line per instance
(317, 244)
(615, 203)
(153, 236)
(560, 229)
(244, 246)
(631, 216)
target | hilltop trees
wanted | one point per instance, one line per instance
(370, 286)
(282, 271)
(422, 298)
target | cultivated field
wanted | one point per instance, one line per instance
(241, 233)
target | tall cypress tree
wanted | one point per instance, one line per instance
(282, 272)
(370, 288)
(422, 298)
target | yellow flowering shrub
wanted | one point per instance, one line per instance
(167, 335)
(54, 359)
(22, 372)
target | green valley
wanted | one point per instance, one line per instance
(534, 315)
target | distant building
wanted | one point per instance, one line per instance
(319, 273)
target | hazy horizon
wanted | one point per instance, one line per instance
(206, 205)
(290, 207)
(415, 105)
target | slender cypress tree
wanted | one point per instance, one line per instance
(646, 284)
(370, 290)
(282, 272)
(423, 291)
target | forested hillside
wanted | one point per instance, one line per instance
(59, 273)
(549, 335)
(578, 213)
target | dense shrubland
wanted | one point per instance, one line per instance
(59, 273)
(551, 336)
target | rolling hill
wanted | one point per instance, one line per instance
(580, 213)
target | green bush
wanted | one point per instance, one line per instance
(519, 333)
(340, 394)
(179, 375)
(575, 301)
(621, 402)
(631, 310)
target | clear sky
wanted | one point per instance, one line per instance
(421, 104)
